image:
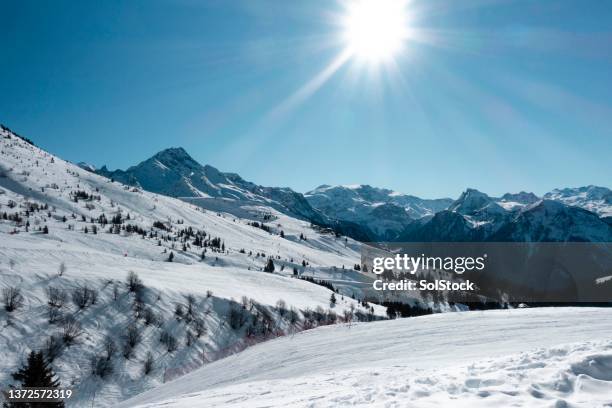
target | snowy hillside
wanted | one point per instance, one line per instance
(69, 238)
(552, 357)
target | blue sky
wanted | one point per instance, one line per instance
(496, 95)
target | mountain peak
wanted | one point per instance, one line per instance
(472, 201)
(173, 152)
(521, 197)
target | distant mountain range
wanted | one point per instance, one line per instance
(370, 213)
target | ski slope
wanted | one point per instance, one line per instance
(550, 357)
(31, 261)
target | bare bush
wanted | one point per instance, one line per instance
(83, 296)
(319, 314)
(52, 348)
(149, 316)
(110, 347)
(190, 300)
(281, 306)
(71, 329)
(348, 315)
(294, 317)
(189, 338)
(148, 363)
(133, 282)
(132, 338)
(12, 298)
(199, 327)
(56, 297)
(54, 315)
(179, 311)
(101, 366)
(115, 292)
(169, 341)
(237, 317)
(331, 317)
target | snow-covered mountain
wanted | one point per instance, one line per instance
(383, 211)
(69, 238)
(362, 211)
(394, 216)
(513, 200)
(173, 172)
(592, 198)
(553, 221)
(475, 216)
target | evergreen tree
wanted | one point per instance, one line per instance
(171, 256)
(269, 266)
(332, 299)
(36, 373)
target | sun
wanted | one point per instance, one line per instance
(375, 30)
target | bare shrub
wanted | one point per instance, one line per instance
(179, 311)
(331, 317)
(12, 298)
(54, 315)
(237, 317)
(56, 297)
(149, 316)
(348, 315)
(71, 329)
(52, 348)
(110, 347)
(101, 366)
(133, 282)
(281, 306)
(132, 338)
(189, 337)
(190, 300)
(169, 341)
(148, 363)
(199, 327)
(83, 296)
(293, 316)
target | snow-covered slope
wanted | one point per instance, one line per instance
(67, 228)
(511, 201)
(552, 357)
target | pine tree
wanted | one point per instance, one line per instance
(171, 256)
(36, 373)
(332, 299)
(269, 266)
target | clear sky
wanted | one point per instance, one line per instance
(498, 95)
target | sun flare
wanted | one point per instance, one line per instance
(375, 30)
